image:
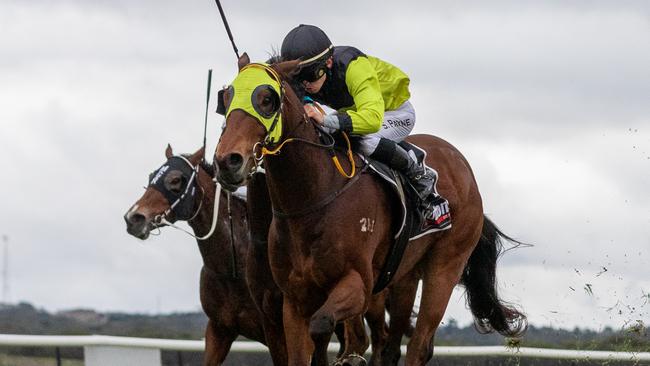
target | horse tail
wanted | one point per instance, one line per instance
(479, 278)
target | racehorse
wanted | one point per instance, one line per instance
(224, 283)
(386, 340)
(330, 234)
(245, 301)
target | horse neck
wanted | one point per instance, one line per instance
(301, 174)
(214, 249)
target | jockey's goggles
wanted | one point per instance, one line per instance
(312, 72)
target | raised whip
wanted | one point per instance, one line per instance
(207, 104)
(225, 23)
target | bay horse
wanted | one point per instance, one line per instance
(386, 339)
(224, 283)
(247, 301)
(330, 235)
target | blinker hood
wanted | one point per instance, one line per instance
(181, 204)
(252, 79)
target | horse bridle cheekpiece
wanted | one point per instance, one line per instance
(251, 80)
(180, 204)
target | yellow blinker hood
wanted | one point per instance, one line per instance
(251, 79)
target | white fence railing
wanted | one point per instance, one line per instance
(99, 347)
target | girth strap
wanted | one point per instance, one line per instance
(397, 248)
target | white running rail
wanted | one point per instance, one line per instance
(198, 346)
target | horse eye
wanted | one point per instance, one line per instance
(174, 183)
(264, 100)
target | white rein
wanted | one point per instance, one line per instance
(215, 215)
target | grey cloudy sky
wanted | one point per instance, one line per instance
(549, 102)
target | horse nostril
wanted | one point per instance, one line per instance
(135, 219)
(234, 161)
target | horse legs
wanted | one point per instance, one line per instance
(441, 275)
(268, 300)
(265, 293)
(356, 328)
(346, 301)
(276, 341)
(296, 329)
(376, 318)
(217, 344)
(356, 342)
(401, 296)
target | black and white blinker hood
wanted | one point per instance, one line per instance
(180, 204)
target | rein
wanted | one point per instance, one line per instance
(353, 177)
(264, 147)
(334, 157)
(162, 219)
(215, 215)
(268, 147)
(330, 146)
(265, 150)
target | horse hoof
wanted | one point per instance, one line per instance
(352, 360)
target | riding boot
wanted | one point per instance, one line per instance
(434, 209)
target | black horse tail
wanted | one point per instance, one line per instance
(479, 278)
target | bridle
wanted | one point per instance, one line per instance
(162, 219)
(181, 201)
(269, 147)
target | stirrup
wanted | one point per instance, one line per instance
(435, 214)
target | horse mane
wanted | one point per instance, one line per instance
(274, 57)
(297, 87)
(209, 168)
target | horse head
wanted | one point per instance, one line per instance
(258, 105)
(170, 195)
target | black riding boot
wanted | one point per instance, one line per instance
(433, 207)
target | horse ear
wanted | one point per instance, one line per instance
(288, 69)
(243, 61)
(168, 151)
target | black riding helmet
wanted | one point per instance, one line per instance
(312, 46)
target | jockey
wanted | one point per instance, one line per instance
(371, 97)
